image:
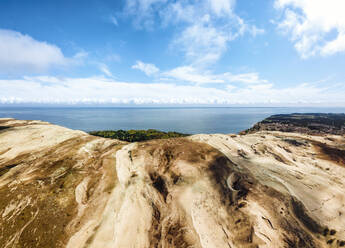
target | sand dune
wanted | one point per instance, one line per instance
(65, 188)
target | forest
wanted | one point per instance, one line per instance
(137, 135)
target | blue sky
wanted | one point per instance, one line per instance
(219, 52)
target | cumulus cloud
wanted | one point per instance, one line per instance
(148, 69)
(315, 26)
(22, 53)
(47, 89)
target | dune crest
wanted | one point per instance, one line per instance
(65, 188)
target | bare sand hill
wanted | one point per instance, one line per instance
(65, 188)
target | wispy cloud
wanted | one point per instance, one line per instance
(202, 44)
(81, 55)
(204, 28)
(113, 57)
(113, 20)
(104, 68)
(315, 27)
(246, 78)
(195, 75)
(148, 69)
(192, 75)
(144, 11)
(209, 27)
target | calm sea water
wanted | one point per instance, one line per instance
(186, 120)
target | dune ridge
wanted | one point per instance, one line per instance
(66, 188)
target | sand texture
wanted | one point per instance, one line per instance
(65, 188)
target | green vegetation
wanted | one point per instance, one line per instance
(137, 135)
(310, 123)
(312, 120)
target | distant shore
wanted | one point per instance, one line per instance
(309, 123)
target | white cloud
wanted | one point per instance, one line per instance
(190, 74)
(255, 30)
(104, 90)
(104, 68)
(194, 75)
(144, 11)
(21, 53)
(148, 69)
(113, 57)
(247, 78)
(209, 27)
(222, 7)
(315, 26)
(193, 11)
(205, 27)
(81, 55)
(113, 20)
(203, 44)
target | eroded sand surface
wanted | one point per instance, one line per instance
(65, 188)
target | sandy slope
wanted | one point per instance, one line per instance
(65, 188)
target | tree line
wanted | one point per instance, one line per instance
(137, 135)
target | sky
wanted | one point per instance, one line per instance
(175, 52)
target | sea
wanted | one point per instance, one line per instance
(190, 120)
